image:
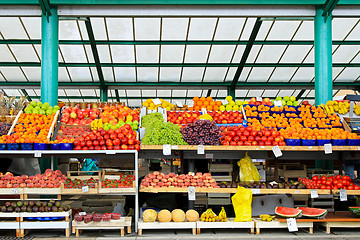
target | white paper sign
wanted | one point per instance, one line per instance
(343, 195)
(224, 102)
(191, 193)
(328, 148)
(37, 154)
(167, 149)
(179, 104)
(209, 155)
(292, 226)
(85, 189)
(200, 149)
(110, 151)
(277, 152)
(314, 193)
(278, 103)
(259, 99)
(82, 213)
(174, 147)
(255, 191)
(156, 101)
(15, 190)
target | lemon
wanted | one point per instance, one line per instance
(222, 108)
(232, 103)
(229, 108)
(229, 98)
(236, 108)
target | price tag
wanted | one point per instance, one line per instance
(179, 104)
(259, 99)
(82, 213)
(297, 192)
(191, 193)
(224, 102)
(314, 193)
(343, 195)
(200, 149)
(278, 103)
(37, 154)
(15, 190)
(255, 191)
(85, 189)
(157, 101)
(142, 112)
(262, 147)
(174, 147)
(277, 152)
(167, 149)
(292, 226)
(110, 152)
(209, 155)
(328, 148)
(310, 147)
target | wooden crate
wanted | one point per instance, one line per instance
(79, 191)
(124, 222)
(221, 168)
(115, 174)
(277, 223)
(299, 171)
(13, 191)
(229, 224)
(166, 225)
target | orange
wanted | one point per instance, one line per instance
(195, 99)
(209, 99)
(202, 99)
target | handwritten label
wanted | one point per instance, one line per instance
(277, 152)
(85, 189)
(37, 154)
(343, 195)
(278, 103)
(292, 226)
(328, 148)
(157, 101)
(200, 149)
(255, 191)
(15, 190)
(82, 213)
(167, 149)
(314, 193)
(179, 104)
(191, 193)
(209, 155)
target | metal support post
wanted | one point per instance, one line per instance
(104, 95)
(49, 63)
(231, 92)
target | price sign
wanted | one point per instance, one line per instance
(328, 148)
(343, 195)
(200, 149)
(15, 190)
(191, 193)
(277, 152)
(259, 99)
(255, 191)
(110, 152)
(278, 103)
(179, 104)
(82, 213)
(292, 226)
(174, 147)
(314, 193)
(85, 189)
(37, 154)
(167, 149)
(209, 155)
(157, 101)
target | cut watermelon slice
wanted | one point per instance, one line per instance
(313, 212)
(288, 212)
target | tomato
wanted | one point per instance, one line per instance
(323, 187)
(335, 182)
(340, 185)
(350, 187)
(346, 183)
(323, 178)
(357, 188)
(315, 178)
(328, 187)
(335, 188)
(347, 178)
(328, 183)
(323, 182)
(338, 177)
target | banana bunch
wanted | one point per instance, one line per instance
(206, 117)
(357, 109)
(222, 215)
(339, 107)
(96, 124)
(266, 217)
(208, 216)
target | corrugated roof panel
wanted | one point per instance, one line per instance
(270, 93)
(33, 73)
(32, 26)
(90, 100)
(284, 93)
(104, 54)
(107, 72)
(264, 30)
(304, 74)
(133, 93)
(12, 92)
(147, 54)
(163, 93)
(254, 93)
(336, 71)
(120, 28)
(355, 34)
(147, 28)
(194, 93)
(73, 92)
(172, 54)
(311, 94)
(344, 54)
(1, 77)
(240, 94)
(305, 32)
(282, 74)
(202, 28)
(192, 74)
(196, 53)
(215, 74)
(38, 50)
(11, 28)
(221, 54)
(270, 54)
(260, 74)
(148, 93)
(97, 91)
(61, 93)
(87, 92)
(147, 74)
(356, 59)
(98, 26)
(249, 25)
(239, 52)
(295, 54)
(283, 30)
(342, 26)
(12, 74)
(79, 74)
(6, 55)
(63, 75)
(24, 53)
(222, 94)
(310, 58)
(229, 28)
(73, 53)
(179, 93)
(231, 74)
(123, 54)
(253, 54)
(68, 30)
(244, 74)
(89, 53)
(214, 92)
(348, 75)
(171, 74)
(125, 74)
(174, 28)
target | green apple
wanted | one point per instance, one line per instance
(45, 105)
(239, 102)
(289, 103)
(106, 128)
(39, 104)
(286, 98)
(36, 111)
(292, 98)
(222, 108)
(42, 111)
(56, 107)
(295, 103)
(283, 102)
(278, 98)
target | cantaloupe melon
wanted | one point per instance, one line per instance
(192, 215)
(178, 215)
(149, 215)
(164, 216)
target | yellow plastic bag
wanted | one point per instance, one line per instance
(248, 171)
(242, 204)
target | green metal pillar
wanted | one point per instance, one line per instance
(49, 63)
(323, 58)
(231, 92)
(104, 94)
(323, 68)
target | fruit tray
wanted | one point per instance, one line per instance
(116, 175)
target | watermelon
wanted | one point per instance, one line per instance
(313, 212)
(355, 211)
(288, 212)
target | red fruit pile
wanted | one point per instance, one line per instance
(157, 179)
(125, 181)
(329, 182)
(49, 179)
(241, 136)
(123, 138)
(78, 183)
(226, 117)
(183, 117)
(76, 116)
(73, 131)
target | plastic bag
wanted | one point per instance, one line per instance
(242, 204)
(248, 171)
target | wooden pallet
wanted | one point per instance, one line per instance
(229, 224)
(77, 227)
(281, 223)
(166, 225)
(42, 191)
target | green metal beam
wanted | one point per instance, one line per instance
(117, 95)
(300, 94)
(45, 7)
(329, 7)
(103, 94)
(208, 93)
(95, 53)
(231, 91)
(26, 95)
(246, 53)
